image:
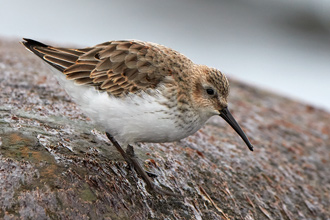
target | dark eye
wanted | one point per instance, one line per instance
(210, 91)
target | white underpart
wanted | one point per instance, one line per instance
(132, 119)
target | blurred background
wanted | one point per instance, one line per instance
(279, 45)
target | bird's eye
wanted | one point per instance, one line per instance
(210, 91)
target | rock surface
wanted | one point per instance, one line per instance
(54, 164)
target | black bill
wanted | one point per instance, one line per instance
(226, 115)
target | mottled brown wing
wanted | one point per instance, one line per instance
(118, 67)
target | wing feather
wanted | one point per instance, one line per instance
(116, 67)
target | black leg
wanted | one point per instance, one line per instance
(118, 147)
(130, 153)
(132, 160)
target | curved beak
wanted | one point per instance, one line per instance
(226, 115)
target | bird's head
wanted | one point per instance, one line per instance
(210, 90)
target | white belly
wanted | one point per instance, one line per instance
(132, 119)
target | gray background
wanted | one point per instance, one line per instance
(282, 46)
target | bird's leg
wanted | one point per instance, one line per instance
(128, 155)
(118, 147)
(131, 154)
(132, 160)
(137, 166)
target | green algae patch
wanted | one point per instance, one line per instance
(86, 194)
(23, 148)
(18, 146)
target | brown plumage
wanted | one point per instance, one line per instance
(118, 67)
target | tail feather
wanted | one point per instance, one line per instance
(32, 44)
(54, 57)
(63, 59)
(29, 43)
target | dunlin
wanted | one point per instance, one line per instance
(140, 92)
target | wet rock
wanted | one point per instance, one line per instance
(55, 164)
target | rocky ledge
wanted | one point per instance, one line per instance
(54, 164)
